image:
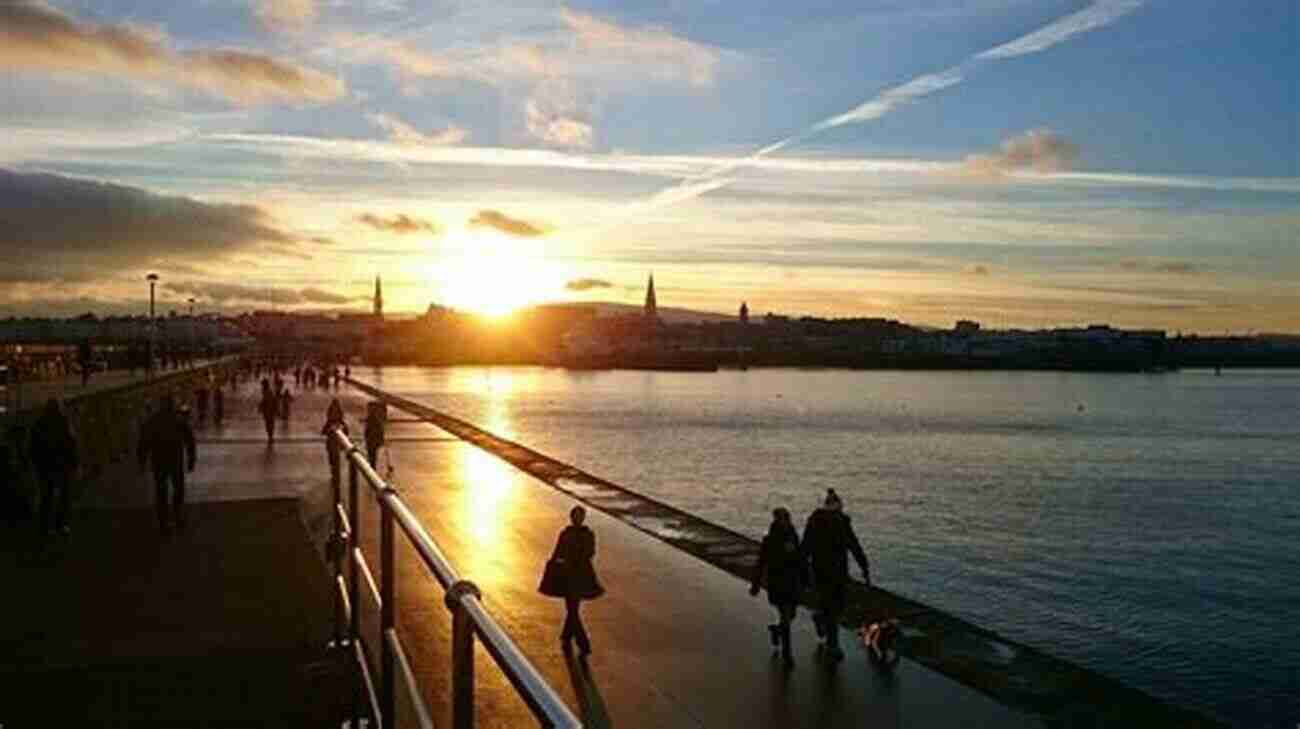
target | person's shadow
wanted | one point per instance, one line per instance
(590, 702)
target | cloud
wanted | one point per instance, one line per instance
(1177, 267)
(221, 293)
(892, 98)
(1099, 14)
(403, 133)
(506, 224)
(1037, 150)
(63, 228)
(292, 15)
(571, 46)
(1169, 267)
(554, 126)
(587, 284)
(34, 36)
(406, 58)
(656, 49)
(401, 224)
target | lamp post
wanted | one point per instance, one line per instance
(152, 278)
(193, 337)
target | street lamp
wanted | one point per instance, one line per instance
(193, 337)
(152, 278)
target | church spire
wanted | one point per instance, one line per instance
(379, 299)
(651, 307)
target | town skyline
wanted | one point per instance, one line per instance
(1023, 164)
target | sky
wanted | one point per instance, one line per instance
(1023, 163)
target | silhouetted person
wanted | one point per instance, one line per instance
(53, 453)
(13, 508)
(285, 402)
(167, 442)
(574, 550)
(828, 539)
(268, 407)
(201, 402)
(333, 421)
(218, 404)
(374, 432)
(783, 569)
(85, 360)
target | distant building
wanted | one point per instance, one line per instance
(379, 299)
(618, 334)
(651, 306)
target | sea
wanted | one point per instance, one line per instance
(1146, 526)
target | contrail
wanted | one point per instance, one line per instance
(1097, 15)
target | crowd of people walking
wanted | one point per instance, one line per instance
(812, 568)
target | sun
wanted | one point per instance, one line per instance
(494, 274)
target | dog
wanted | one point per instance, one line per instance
(880, 639)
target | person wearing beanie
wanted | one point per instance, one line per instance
(828, 539)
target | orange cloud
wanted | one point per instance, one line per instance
(1039, 150)
(401, 224)
(285, 14)
(403, 133)
(506, 224)
(34, 36)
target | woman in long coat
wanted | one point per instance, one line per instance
(574, 550)
(782, 567)
(333, 421)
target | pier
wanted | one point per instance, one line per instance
(233, 622)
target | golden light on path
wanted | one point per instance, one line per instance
(494, 274)
(488, 503)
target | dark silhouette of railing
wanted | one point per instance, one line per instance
(462, 598)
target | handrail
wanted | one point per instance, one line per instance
(470, 617)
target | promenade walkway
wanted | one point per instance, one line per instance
(677, 643)
(225, 624)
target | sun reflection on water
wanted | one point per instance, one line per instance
(488, 494)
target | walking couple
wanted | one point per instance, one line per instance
(788, 565)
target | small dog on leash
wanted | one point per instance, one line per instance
(881, 642)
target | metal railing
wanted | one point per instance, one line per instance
(469, 618)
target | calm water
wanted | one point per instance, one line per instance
(1143, 526)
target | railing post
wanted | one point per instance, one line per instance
(354, 594)
(462, 670)
(337, 542)
(462, 655)
(387, 612)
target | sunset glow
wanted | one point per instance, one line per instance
(494, 158)
(494, 274)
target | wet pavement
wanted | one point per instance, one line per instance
(677, 642)
(223, 624)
